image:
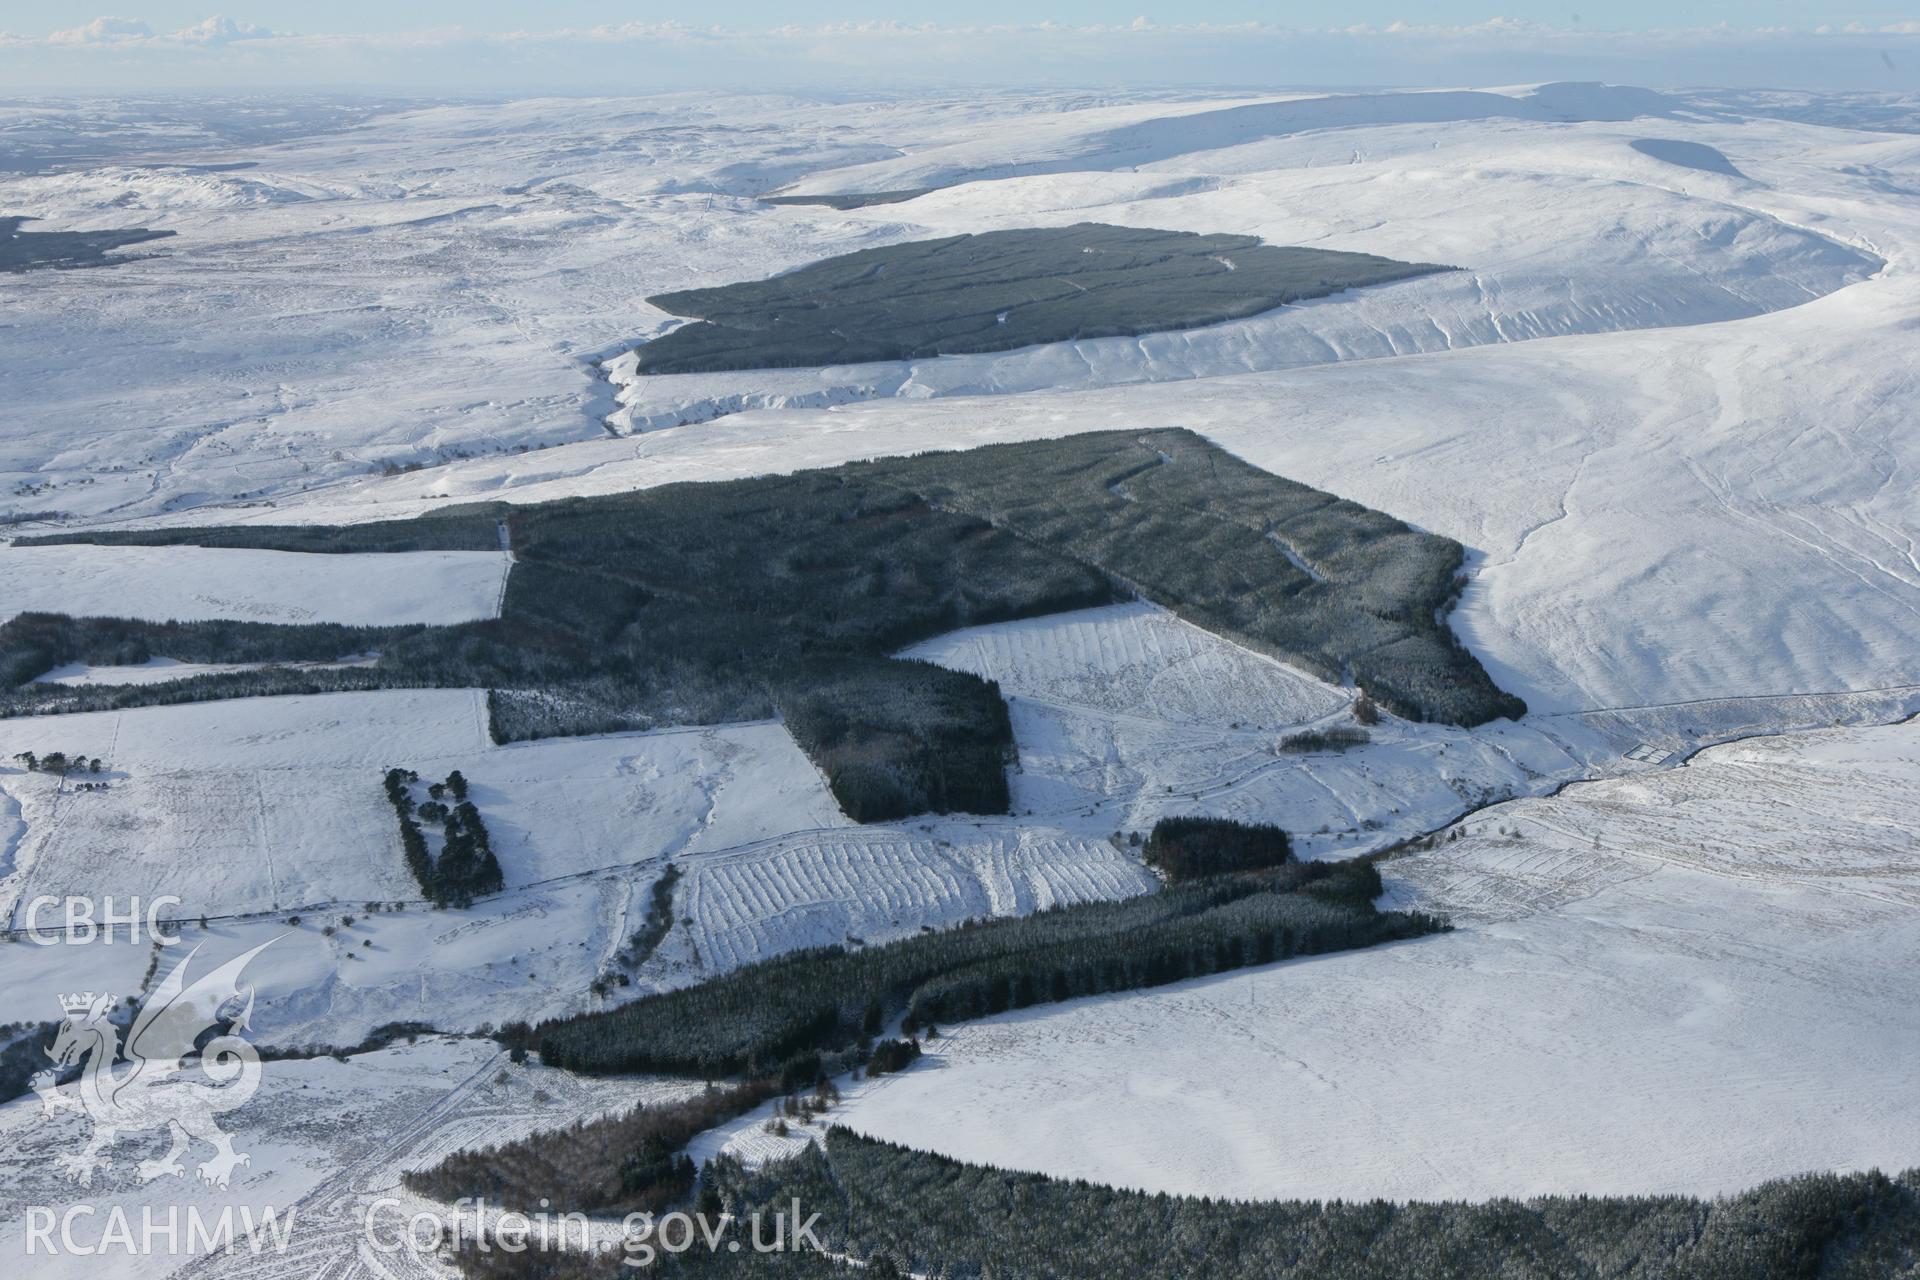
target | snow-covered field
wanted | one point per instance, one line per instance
(866, 884)
(194, 584)
(1125, 713)
(264, 804)
(256, 810)
(1664, 404)
(1138, 660)
(1685, 981)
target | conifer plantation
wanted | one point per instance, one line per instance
(925, 1214)
(1188, 848)
(703, 603)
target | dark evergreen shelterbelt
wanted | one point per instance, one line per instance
(630, 1162)
(708, 602)
(888, 1211)
(764, 1017)
(853, 199)
(1189, 848)
(995, 291)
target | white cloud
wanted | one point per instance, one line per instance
(104, 31)
(219, 30)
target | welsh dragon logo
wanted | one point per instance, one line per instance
(146, 1084)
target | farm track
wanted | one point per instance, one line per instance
(329, 1220)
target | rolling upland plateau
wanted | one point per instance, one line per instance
(1122, 719)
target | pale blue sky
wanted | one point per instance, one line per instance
(492, 48)
(36, 17)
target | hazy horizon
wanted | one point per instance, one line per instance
(499, 50)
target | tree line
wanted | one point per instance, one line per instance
(626, 1163)
(1188, 848)
(57, 762)
(832, 1000)
(887, 1211)
(907, 1210)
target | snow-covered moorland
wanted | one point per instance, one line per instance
(191, 584)
(1662, 404)
(1689, 980)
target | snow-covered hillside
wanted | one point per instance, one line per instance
(1688, 981)
(1591, 236)
(1120, 139)
(1664, 405)
(272, 804)
(1126, 714)
(859, 885)
(1703, 511)
(1135, 659)
(441, 283)
(192, 584)
(258, 810)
